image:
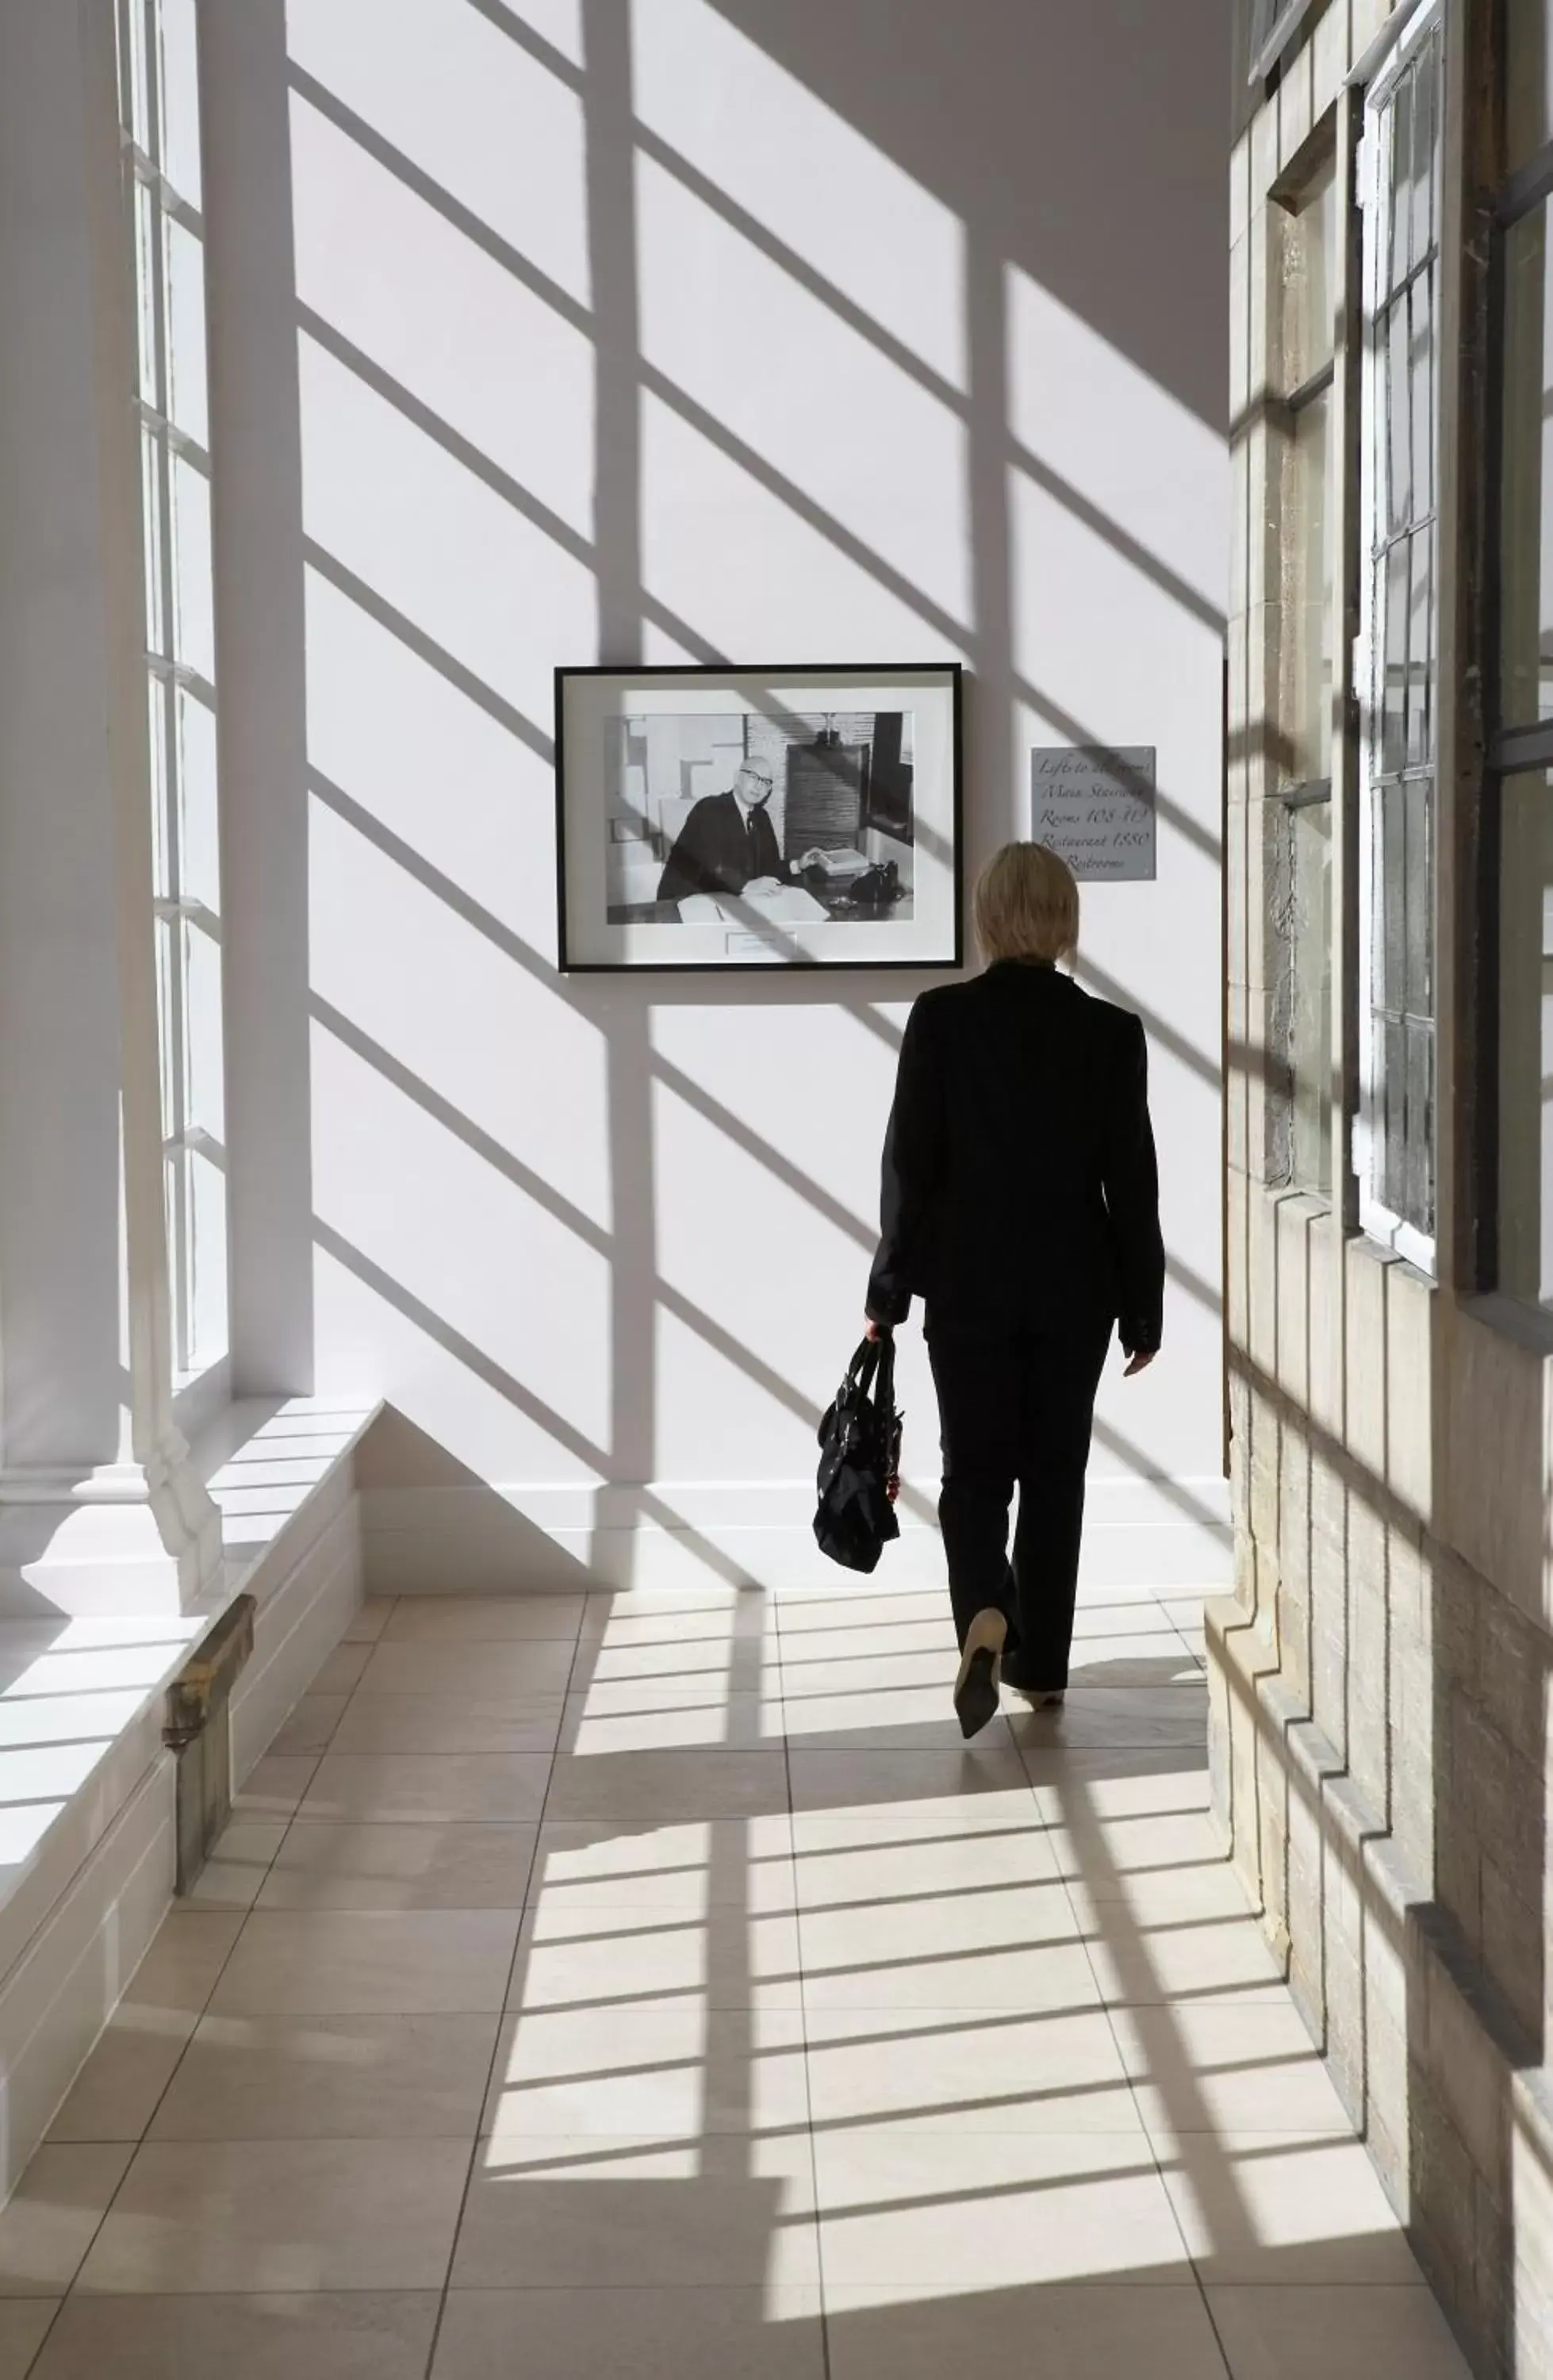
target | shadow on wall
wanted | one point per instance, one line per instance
(516, 1176)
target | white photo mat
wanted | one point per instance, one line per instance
(590, 706)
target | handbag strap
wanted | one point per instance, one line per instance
(864, 1363)
(884, 1376)
(872, 1371)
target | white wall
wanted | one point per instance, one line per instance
(901, 338)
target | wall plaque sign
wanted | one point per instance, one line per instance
(1094, 805)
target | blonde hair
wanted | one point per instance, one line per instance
(1025, 905)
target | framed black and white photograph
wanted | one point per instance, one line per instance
(710, 818)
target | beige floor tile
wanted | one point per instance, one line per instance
(727, 1662)
(1156, 1658)
(659, 1615)
(908, 1647)
(365, 1963)
(898, 1717)
(329, 2078)
(23, 2323)
(412, 1865)
(1114, 1856)
(1179, 1896)
(522, 1666)
(865, 1611)
(821, 1653)
(403, 1785)
(366, 1623)
(48, 2224)
(669, 2072)
(116, 2093)
(599, 1957)
(692, 1864)
(483, 1619)
(310, 1725)
(852, 1861)
(916, 1784)
(261, 2216)
(967, 2071)
(442, 1723)
(911, 1667)
(360, 2334)
(1006, 1949)
(1079, 1787)
(706, 2334)
(1379, 2333)
(1128, 1718)
(187, 1955)
(1219, 2068)
(659, 1715)
(635, 1787)
(1132, 1616)
(1274, 2207)
(1185, 1604)
(341, 1672)
(974, 2210)
(1145, 1592)
(900, 2332)
(274, 1786)
(1199, 1958)
(232, 1876)
(723, 2212)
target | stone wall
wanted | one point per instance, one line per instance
(1378, 1676)
(1379, 1751)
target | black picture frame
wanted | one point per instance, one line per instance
(878, 812)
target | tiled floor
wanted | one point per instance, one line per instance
(648, 1986)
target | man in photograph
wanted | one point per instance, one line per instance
(728, 843)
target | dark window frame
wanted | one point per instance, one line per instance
(1507, 752)
(1272, 25)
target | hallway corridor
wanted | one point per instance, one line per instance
(627, 1986)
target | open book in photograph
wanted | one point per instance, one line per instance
(783, 905)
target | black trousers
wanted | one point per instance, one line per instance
(1016, 1409)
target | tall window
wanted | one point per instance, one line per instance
(160, 119)
(1520, 796)
(1306, 239)
(1395, 1147)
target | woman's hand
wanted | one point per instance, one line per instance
(1139, 1362)
(872, 1330)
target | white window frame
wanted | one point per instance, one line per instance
(1376, 1219)
(199, 1372)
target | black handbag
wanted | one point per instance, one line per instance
(860, 1456)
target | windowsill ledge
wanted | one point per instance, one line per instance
(1526, 1326)
(81, 1700)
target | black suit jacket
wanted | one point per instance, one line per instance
(1020, 1186)
(713, 851)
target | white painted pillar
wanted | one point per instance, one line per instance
(99, 1508)
(261, 727)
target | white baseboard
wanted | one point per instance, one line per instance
(302, 1614)
(522, 1540)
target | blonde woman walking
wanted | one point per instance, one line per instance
(1020, 1201)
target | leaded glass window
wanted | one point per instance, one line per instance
(159, 107)
(1395, 1148)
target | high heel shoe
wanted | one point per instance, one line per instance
(976, 1688)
